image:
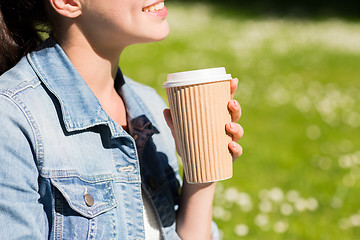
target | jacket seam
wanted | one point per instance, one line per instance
(12, 91)
(39, 152)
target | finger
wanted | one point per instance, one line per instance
(167, 116)
(168, 119)
(233, 86)
(235, 110)
(235, 130)
(236, 150)
(169, 122)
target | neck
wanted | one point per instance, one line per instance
(96, 64)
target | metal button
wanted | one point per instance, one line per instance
(89, 200)
(135, 137)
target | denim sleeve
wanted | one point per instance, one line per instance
(21, 215)
(215, 233)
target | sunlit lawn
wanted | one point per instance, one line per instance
(299, 176)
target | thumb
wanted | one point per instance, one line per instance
(170, 123)
(167, 115)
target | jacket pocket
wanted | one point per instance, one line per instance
(87, 198)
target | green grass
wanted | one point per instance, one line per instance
(299, 91)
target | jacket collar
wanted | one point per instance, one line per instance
(79, 106)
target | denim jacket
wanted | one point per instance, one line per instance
(67, 170)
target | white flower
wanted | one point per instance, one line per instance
(281, 226)
(292, 196)
(276, 194)
(355, 220)
(221, 213)
(231, 194)
(345, 161)
(265, 206)
(262, 220)
(312, 204)
(244, 201)
(241, 230)
(352, 119)
(301, 205)
(286, 209)
(218, 212)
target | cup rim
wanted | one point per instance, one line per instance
(194, 77)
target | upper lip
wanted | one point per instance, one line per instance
(153, 3)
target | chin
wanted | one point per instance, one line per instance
(161, 37)
(157, 35)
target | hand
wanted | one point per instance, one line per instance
(169, 122)
(233, 128)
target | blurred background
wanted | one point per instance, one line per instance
(298, 65)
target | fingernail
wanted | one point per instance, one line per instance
(233, 145)
(234, 103)
(231, 125)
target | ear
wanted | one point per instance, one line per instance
(67, 8)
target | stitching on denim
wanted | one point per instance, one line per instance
(102, 207)
(34, 67)
(70, 126)
(135, 178)
(59, 220)
(114, 224)
(31, 62)
(92, 229)
(90, 179)
(21, 86)
(39, 151)
(123, 193)
(129, 212)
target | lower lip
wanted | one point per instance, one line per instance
(162, 13)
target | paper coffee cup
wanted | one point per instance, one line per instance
(198, 102)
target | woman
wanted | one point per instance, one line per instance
(85, 152)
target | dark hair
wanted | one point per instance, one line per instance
(21, 22)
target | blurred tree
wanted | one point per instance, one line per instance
(300, 8)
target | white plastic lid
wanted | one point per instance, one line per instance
(196, 77)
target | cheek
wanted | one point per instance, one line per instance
(124, 22)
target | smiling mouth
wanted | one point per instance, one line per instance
(154, 8)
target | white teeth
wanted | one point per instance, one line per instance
(154, 8)
(159, 6)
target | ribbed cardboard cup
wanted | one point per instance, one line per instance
(198, 103)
